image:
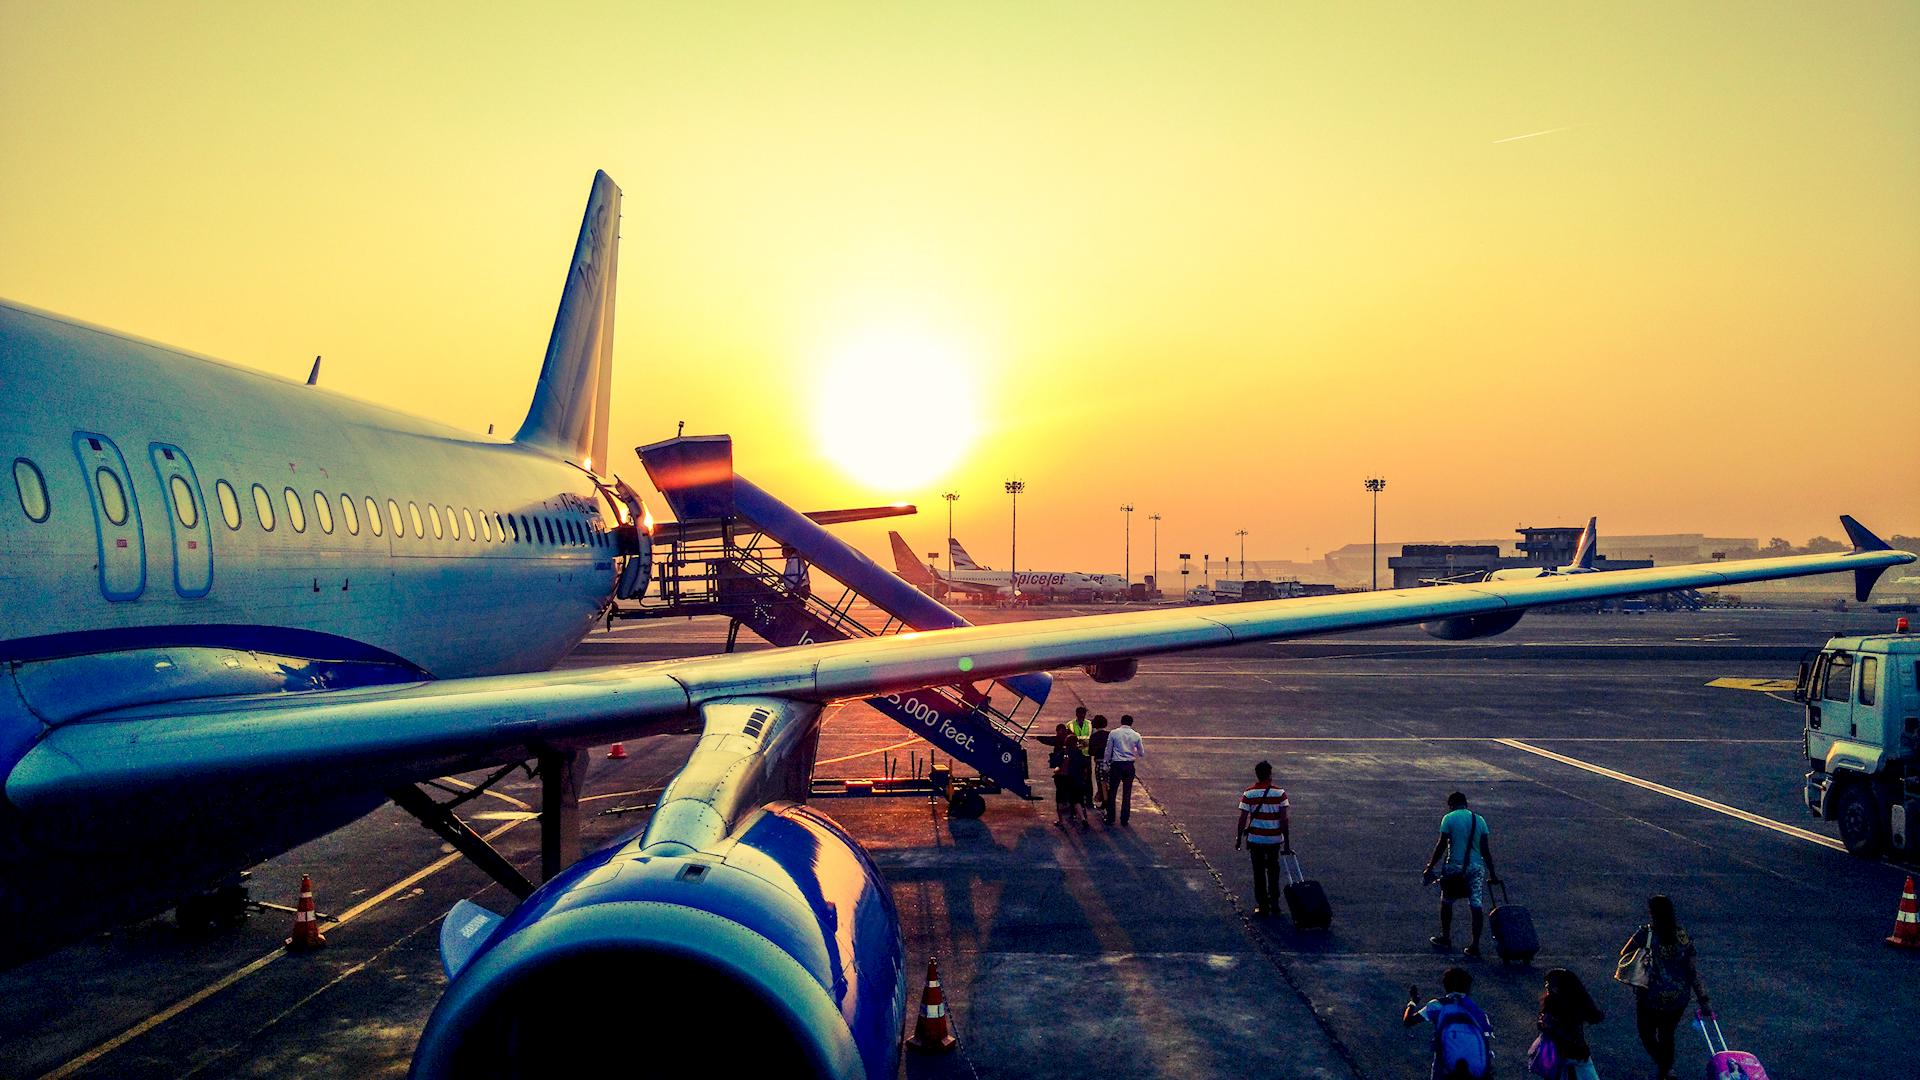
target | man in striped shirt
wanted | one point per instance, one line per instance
(1263, 828)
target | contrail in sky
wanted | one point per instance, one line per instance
(1533, 134)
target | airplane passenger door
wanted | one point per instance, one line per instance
(116, 516)
(187, 522)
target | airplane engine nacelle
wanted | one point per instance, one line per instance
(1110, 671)
(776, 954)
(1466, 627)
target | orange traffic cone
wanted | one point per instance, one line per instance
(306, 929)
(617, 752)
(933, 1034)
(1906, 924)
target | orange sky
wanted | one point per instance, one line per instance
(1221, 261)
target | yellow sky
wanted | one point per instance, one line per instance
(1221, 261)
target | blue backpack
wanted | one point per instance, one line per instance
(1460, 1050)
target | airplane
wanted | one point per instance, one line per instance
(969, 578)
(242, 611)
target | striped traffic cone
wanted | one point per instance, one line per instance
(306, 929)
(934, 1033)
(1906, 924)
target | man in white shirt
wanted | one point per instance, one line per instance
(1123, 750)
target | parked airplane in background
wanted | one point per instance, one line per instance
(970, 579)
(241, 611)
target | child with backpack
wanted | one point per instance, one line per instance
(1462, 1038)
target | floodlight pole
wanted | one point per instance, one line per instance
(1242, 534)
(951, 497)
(1014, 488)
(1126, 572)
(1375, 485)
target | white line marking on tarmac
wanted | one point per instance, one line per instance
(233, 977)
(1455, 738)
(1683, 796)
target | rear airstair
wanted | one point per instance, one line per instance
(739, 552)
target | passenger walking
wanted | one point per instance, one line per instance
(1658, 962)
(1123, 754)
(1082, 732)
(1264, 829)
(1066, 779)
(1462, 1047)
(1467, 870)
(1097, 753)
(1565, 1011)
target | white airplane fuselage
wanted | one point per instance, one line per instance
(133, 589)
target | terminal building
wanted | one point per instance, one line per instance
(1423, 564)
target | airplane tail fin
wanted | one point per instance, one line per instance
(1589, 542)
(958, 558)
(907, 564)
(568, 416)
(1864, 540)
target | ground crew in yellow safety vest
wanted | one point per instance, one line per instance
(1082, 731)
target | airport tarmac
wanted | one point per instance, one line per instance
(1606, 763)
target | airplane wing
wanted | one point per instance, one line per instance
(373, 738)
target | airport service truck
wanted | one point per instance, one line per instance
(1862, 701)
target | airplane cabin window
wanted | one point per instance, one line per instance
(500, 528)
(433, 513)
(373, 516)
(113, 497)
(349, 514)
(519, 528)
(486, 527)
(467, 516)
(263, 507)
(296, 511)
(184, 506)
(32, 488)
(419, 527)
(229, 503)
(453, 523)
(393, 514)
(323, 511)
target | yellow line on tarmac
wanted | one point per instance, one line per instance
(1683, 796)
(218, 985)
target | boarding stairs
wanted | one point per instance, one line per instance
(743, 571)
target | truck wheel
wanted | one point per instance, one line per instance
(1863, 826)
(967, 804)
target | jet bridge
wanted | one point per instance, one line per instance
(737, 551)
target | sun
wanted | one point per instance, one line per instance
(897, 407)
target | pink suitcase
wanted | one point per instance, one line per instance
(1726, 1064)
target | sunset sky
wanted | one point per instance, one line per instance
(1222, 261)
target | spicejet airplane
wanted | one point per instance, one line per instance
(240, 611)
(969, 578)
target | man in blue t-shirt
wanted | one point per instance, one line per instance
(1469, 855)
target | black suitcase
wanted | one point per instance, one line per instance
(1306, 900)
(1513, 934)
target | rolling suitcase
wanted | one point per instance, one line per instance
(1306, 900)
(1726, 1064)
(1513, 935)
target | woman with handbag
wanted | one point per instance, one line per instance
(1561, 1052)
(1658, 962)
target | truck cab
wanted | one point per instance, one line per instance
(1861, 697)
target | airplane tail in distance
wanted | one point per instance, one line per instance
(958, 558)
(907, 564)
(568, 417)
(1589, 541)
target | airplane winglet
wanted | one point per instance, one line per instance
(1864, 540)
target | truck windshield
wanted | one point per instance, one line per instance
(1838, 682)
